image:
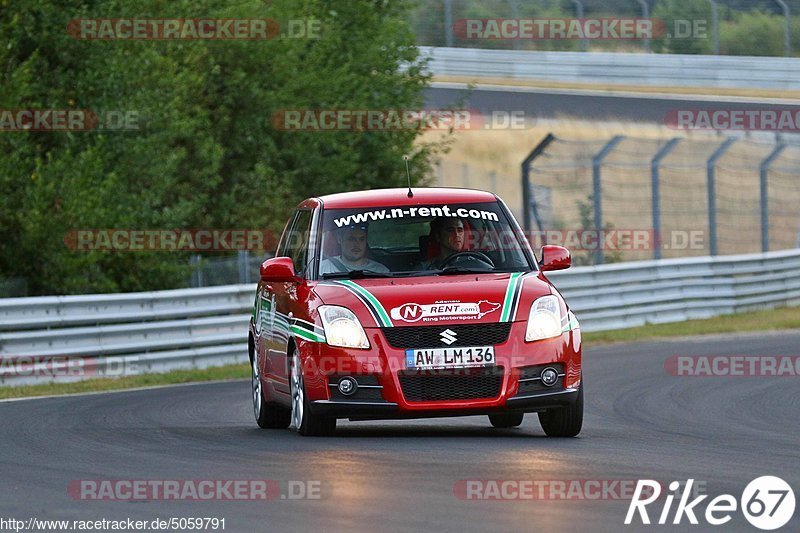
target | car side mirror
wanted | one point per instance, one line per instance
(555, 258)
(278, 269)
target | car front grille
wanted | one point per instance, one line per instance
(451, 384)
(430, 336)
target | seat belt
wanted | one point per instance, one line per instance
(338, 264)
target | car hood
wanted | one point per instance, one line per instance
(436, 300)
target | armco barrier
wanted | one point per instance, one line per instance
(196, 328)
(133, 333)
(624, 295)
(655, 70)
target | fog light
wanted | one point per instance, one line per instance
(549, 377)
(348, 386)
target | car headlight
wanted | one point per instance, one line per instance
(544, 322)
(342, 327)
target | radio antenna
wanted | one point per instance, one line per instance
(408, 175)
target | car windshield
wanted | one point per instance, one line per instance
(419, 240)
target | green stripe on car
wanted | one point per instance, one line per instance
(513, 283)
(383, 316)
(306, 334)
(571, 323)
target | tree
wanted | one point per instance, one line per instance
(756, 33)
(680, 17)
(206, 153)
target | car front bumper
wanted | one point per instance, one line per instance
(381, 371)
(357, 410)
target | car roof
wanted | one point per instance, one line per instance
(399, 197)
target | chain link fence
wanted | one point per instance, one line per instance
(659, 198)
(732, 27)
(244, 267)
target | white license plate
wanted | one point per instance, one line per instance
(434, 358)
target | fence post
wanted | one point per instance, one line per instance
(527, 205)
(656, 181)
(787, 31)
(579, 13)
(646, 15)
(597, 194)
(715, 24)
(242, 261)
(515, 43)
(712, 193)
(764, 174)
(197, 275)
(448, 22)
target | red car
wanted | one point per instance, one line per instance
(391, 304)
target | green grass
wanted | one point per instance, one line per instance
(128, 382)
(773, 320)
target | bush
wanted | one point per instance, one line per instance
(753, 34)
(672, 11)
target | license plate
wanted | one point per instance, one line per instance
(435, 358)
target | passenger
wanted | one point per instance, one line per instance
(353, 244)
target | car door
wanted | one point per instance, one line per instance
(286, 304)
(269, 339)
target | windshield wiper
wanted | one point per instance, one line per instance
(357, 274)
(463, 270)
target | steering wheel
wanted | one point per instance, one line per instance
(480, 256)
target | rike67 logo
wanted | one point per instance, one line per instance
(767, 503)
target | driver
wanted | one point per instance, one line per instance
(353, 243)
(448, 233)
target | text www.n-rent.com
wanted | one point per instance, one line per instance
(394, 213)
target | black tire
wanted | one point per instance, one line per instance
(506, 420)
(564, 421)
(307, 423)
(268, 415)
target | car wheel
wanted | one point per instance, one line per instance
(268, 415)
(564, 421)
(305, 422)
(506, 420)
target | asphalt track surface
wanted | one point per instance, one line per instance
(587, 105)
(640, 422)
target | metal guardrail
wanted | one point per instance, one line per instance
(122, 334)
(656, 70)
(117, 334)
(625, 295)
(63, 311)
